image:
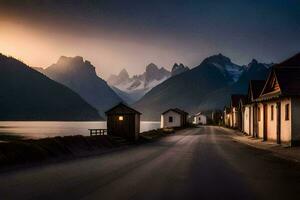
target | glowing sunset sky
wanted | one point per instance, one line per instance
(131, 34)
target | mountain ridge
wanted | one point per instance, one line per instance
(207, 84)
(80, 75)
(26, 94)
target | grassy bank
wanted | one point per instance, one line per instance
(16, 150)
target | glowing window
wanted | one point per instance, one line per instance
(121, 118)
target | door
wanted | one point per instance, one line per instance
(278, 107)
(265, 137)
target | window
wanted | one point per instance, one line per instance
(121, 118)
(272, 113)
(170, 119)
(199, 118)
(258, 113)
(287, 112)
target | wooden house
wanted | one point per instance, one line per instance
(242, 112)
(235, 114)
(250, 107)
(278, 111)
(123, 121)
(200, 118)
(226, 116)
(173, 118)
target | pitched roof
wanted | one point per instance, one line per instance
(293, 61)
(255, 88)
(287, 74)
(243, 100)
(289, 80)
(121, 108)
(177, 110)
(235, 99)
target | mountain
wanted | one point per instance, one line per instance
(187, 89)
(229, 70)
(219, 98)
(26, 94)
(137, 86)
(178, 69)
(81, 77)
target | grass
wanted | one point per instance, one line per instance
(15, 150)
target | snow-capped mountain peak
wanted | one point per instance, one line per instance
(224, 64)
(138, 85)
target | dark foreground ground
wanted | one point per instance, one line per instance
(199, 163)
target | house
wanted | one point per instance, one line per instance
(123, 121)
(278, 106)
(242, 112)
(235, 113)
(250, 107)
(199, 118)
(226, 116)
(173, 118)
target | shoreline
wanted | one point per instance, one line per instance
(19, 153)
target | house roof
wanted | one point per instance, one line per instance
(289, 80)
(235, 99)
(255, 88)
(177, 110)
(293, 61)
(199, 113)
(227, 110)
(287, 74)
(122, 109)
(243, 100)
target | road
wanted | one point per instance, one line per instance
(199, 163)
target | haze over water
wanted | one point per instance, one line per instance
(43, 129)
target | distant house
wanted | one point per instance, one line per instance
(199, 118)
(123, 121)
(227, 116)
(235, 114)
(250, 107)
(243, 102)
(278, 111)
(173, 118)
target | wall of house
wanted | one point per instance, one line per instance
(235, 118)
(285, 124)
(295, 119)
(260, 123)
(165, 119)
(246, 121)
(251, 120)
(202, 119)
(272, 124)
(231, 119)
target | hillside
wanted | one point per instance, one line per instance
(203, 88)
(187, 89)
(26, 94)
(81, 77)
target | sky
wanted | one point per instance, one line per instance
(131, 34)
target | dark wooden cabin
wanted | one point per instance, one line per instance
(123, 121)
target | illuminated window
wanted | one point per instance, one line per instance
(121, 118)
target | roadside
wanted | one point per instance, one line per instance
(285, 152)
(17, 152)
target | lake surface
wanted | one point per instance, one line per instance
(43, 129)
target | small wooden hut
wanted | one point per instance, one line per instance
(123, 121)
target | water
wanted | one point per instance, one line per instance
(43, 129)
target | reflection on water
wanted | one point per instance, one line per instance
(42, 129)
